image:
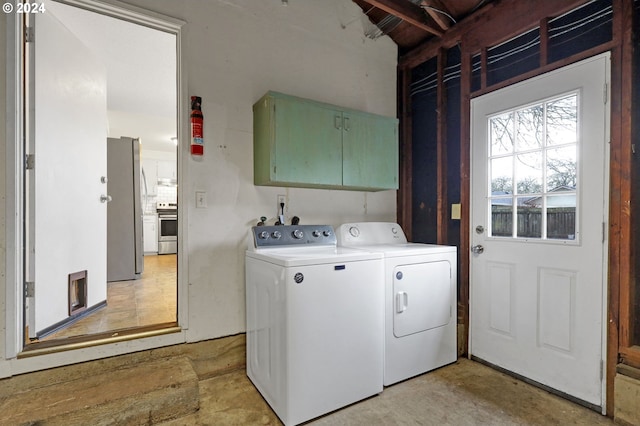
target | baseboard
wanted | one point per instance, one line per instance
(70, 320)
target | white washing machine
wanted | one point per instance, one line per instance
(315, 325)
(420, 298)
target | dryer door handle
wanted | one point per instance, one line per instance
(402, 301)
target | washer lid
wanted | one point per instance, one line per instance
(297, 256)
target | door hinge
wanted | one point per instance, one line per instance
(605, 93)
(29, 161)
(30, 289)
(29, 34)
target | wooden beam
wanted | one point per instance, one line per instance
(483, 68)
(465, 188)
(620, 280)
(442, 202)
(406, 11)
(491, 25)
(405, 191)
(435, 9)
(544, 42)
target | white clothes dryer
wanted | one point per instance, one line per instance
(420, 298)
(315, 327)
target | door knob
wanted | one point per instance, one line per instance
(477, 249)
(105, 198)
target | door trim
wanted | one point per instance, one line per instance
(13, 335)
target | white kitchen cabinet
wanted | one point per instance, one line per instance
(150, 167)
(167, 169)
(150, 233)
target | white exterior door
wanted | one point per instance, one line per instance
(538, 228)
(66, 226)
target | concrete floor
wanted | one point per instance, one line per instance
(465, 393)
(205, 383)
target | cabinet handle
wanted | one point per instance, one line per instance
(337, 122)
(347, 127)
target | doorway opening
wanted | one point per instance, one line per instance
(124, 75)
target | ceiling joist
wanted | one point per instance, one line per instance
(438, 12)
(406, 11)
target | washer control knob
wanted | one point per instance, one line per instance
(394, 230)
(355, 232)
(298, 234)
(263, 235)
(316, 233)
(276, 234)
(326, 233)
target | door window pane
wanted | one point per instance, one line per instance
(534, 183)
(529, 173)
(561, 169)
(529, 218)
(502, 217)
(562, 120)
(501, 128)
(530, 128)
(502, 176)
(561, 217)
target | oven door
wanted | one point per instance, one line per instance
(167, 233)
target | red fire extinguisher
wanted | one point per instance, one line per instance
(197, 139)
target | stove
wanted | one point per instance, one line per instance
(167, 227)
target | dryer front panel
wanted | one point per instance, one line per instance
(421, 297)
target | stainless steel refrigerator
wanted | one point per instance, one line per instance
(124, 212)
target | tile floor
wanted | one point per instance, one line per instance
(152, 299)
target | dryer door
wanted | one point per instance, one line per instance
(422, 297)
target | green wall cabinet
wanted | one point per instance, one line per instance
(302, 143)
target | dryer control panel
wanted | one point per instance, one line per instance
(368, 233)
(292, 235)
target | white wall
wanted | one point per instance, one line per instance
(233, 52)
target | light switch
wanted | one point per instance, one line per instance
(201, 199)
(455, 211)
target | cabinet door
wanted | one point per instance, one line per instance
(151, 175)
(308, 143)
(150, 234)
(370, 151)
(166, 169)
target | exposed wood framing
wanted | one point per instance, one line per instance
(618, 202)
(438, 12)
(544, 42)
(496, 23)
(441, 153)
(483, 68)
(493, 24)
(406, 11)
(620, 251)
(549, 67)
(465, 187)
(405, 193)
